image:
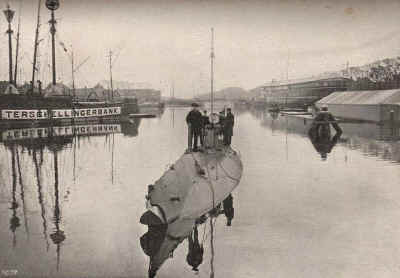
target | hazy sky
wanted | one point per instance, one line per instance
(164, 41)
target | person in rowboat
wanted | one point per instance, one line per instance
(323, 119)
(320, 134)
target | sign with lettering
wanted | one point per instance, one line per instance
(85, 113)
(24, 114)
(59, 113)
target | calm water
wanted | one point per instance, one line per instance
(71, 207)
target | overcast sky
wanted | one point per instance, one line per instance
(160, 42)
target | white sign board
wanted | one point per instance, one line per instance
(59, 113)
(85, 113)
(24, 114)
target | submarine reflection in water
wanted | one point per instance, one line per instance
(39, 149)
(161, 240)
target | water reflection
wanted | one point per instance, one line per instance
(42, 146)
(14, 220)
(22, 193)
(161, 240)
(38, 166)
(323, 142)
(194, 257)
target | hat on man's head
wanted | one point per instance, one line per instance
(194, 104)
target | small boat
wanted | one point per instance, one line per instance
(193, 186)
(274, 109)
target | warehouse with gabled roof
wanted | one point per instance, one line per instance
(373, 106)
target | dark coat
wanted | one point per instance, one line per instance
(195, 119)
(229, 122)
(206, 120)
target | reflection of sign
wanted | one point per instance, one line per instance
(31, 133)
(59, 113)
(24, 114)
(86, 129)
(45, 132)
(52, 4)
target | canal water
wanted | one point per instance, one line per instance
(70, 206)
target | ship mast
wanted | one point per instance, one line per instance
(17, 47)
(9, 16)
(75, 69)
(35, 47)
(53, 5)
(73, 72)
(212, 56)
(111, 79)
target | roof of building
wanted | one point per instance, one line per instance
(363, 97)
(322, 77)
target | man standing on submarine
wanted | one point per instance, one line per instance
(194, 120)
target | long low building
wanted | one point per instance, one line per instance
(373, 106)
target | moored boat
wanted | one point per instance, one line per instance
(55, 104)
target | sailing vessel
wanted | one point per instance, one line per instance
(193, 186)
(56, 105)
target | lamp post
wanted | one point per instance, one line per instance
(9, 17)
(53, 5)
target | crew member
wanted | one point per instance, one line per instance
(221, 117)
(205, 122)
(194, 120)
(228, 127)
(195, 254)
(220, 125)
